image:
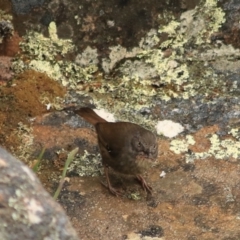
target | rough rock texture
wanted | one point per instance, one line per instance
(192, 201)
(23, 7)
(147, 62)
(221, 110)
(27, 210)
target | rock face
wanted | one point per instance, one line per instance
(23, 7)
(148, 62)
(27, 210)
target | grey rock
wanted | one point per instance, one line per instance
(27, 211)
(25, 6)
(201, 112)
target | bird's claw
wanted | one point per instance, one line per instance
(112, 190)
(145, 186)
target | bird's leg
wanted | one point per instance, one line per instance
(145, 186)
(109, 186)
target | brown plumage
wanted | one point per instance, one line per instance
(126, 147)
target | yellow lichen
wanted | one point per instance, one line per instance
(220, 149)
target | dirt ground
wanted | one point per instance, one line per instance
(192, 201)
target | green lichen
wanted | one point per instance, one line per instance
(190, 140)
(235, 132)
(52, 30)
(24, 133)
(86, 165)
(179, 146)
(41, 53)
(132, 88)
(179, 75)
(19, 214)
(148, 72)
(39, 47)
(215, 19)
(220, 149)
(25, 209)
(135, 196)
(55, 104)
(5, 16)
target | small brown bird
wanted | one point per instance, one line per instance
(126, 147)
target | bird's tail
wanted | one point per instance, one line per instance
(89, 115)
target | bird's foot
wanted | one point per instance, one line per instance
(145, 186)
(112, 190)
